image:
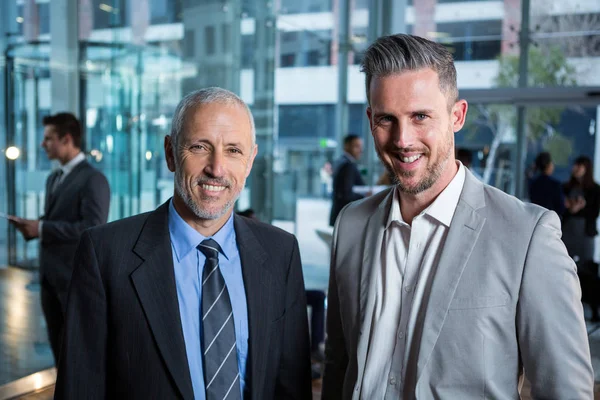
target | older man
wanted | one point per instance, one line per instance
(443, 287)
(190, 301)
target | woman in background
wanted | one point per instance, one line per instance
(582, 208)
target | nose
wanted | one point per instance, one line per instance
(403, 136)
(216, 165)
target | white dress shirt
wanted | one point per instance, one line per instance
(66, 170)
(409, 257)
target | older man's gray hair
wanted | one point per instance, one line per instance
(205, 96)
(395, 54)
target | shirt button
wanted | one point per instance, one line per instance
(407, 289)
(400, 335)
(392, 381)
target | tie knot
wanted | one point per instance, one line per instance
(210, 248)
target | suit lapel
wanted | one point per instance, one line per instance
(259, 296)
(67, 182)
(464, 230)
(49, 185)
(154, 282)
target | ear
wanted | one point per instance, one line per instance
(169, 153)
(459, 114)
(67, 138)
(251, 161)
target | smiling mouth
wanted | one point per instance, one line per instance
(409, 159)
(213, 188)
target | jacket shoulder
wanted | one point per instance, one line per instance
(267, 234)
(368, 204)
(120, 228)
(506, 207)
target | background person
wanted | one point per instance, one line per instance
(544, 190)
(582, 208)
(345, 176)
(77, 198)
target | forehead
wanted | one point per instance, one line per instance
(409, 87)
(215, 120)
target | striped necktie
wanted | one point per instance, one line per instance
(221, 374)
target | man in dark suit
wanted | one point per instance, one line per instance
(544, 190)
(190, 301)
(345, 176)
(77, 197)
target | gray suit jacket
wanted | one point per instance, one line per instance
(81, 201)
(505, 297)
(123, 326)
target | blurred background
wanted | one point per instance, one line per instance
(528, 68)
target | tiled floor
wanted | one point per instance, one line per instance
(24, 347)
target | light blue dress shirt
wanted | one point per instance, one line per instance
(188, 262)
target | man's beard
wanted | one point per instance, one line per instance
(194, 207)
(433, 171)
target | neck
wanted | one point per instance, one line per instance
(412, 205)
(205, 227)
(71, 154)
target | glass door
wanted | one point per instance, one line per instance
(29, 101)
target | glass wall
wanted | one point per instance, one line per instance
(282, 57)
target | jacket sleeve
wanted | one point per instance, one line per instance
(82, 366)
(550, 325)
(294, 376)
(336, 357)
(93, 210)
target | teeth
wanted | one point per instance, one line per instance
(410, 159)
(213, 188)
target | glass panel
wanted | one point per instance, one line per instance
(565, 132)
(30, 102)
(477, 36)
(489, 134)
(126, 122)
(567, 43)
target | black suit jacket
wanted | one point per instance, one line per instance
(123, 337)
(345, 176)
(547, 192)
(80, 202)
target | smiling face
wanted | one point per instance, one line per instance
(215, 152)
(413, 129)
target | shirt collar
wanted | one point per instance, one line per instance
(69, 166)
(442, 208)
(350, 156)
(184, 238)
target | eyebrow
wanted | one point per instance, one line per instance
(424, 111)
(428, 111)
